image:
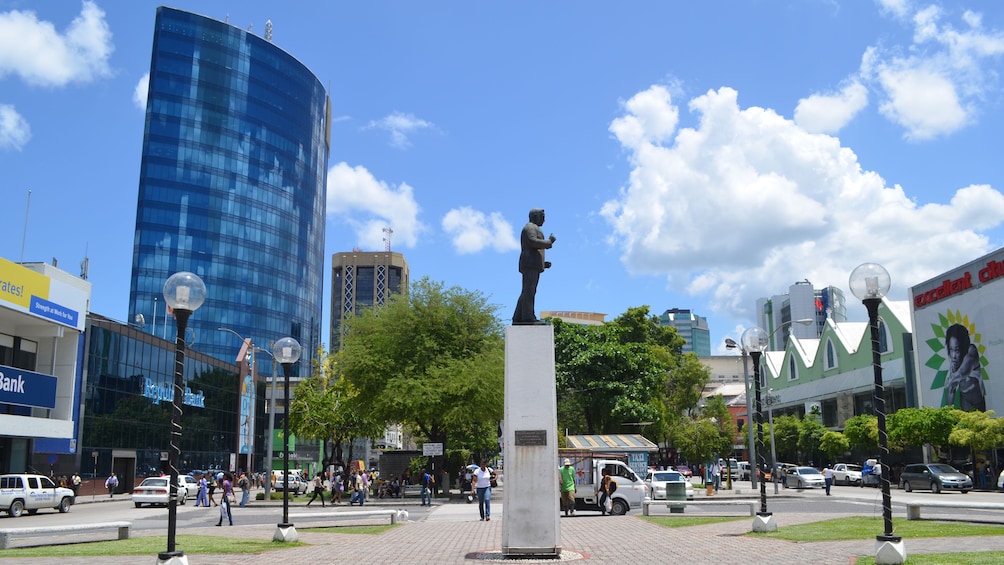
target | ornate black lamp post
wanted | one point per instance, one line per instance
(870, 282)
(184, 293)
(287, 353)
(755, 340)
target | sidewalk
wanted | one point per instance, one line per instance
(453, 535)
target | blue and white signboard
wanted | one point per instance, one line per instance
(26, 388)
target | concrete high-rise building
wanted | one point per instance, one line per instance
(691, 327)
(360, 279)
(802, 301)
(232, 187)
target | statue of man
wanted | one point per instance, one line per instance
(531, 264)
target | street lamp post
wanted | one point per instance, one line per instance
(870, 282)
(269, 443)
(773, 451)
(755, 341)
(287, 353)
(184, 293)
(730, 344)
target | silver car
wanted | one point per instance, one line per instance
(804, 477)
(656, 482)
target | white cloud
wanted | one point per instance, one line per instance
(829, 113)
(936, 87)
(400, 126)
(139, 94)
(471, 231)
(368, 205)
(747, 201)
(40, 55)
(898, 8)
(922, 101)
(14, 129)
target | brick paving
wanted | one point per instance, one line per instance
(597, 539)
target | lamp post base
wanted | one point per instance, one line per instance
(889, 550)
(284, 533)
(172, 558)
(764, 522)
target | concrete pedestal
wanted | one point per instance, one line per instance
(530, 524)
(179, 559)
(284, 533)
(888, 552)
(764, 523)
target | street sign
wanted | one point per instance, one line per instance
(432, 449)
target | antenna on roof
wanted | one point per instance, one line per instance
(84, 265)
(386, 240)
(268, 30)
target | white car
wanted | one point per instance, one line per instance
(191, 485)
(656, 482)
(24, 492)
(156, 491)
(846, 474)
(804, 477)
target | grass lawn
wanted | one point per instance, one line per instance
(150, 546)
(972, 558)
(864, 527)
(684, 521)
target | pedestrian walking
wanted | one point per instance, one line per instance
(607, 488)
(426, 497)
(202, 499)
(482, 486)
(111, 483)
(318, 484)
(225, 499)
(568, 487)
(75, 481)
(337, 486)
(245, 483)
(213, 483)
(828, 477)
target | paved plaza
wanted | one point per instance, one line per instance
(453, 534)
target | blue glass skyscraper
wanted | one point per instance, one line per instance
(232, 187)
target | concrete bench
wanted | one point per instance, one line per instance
(7, 533)
(394, 515)
(411, 490)
(681, 504)
(913, 508)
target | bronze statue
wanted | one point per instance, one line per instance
(531, 264)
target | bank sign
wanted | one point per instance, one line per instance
(27, 388)
(34, 293)
(958, 324)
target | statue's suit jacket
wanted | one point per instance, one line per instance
(533, 244)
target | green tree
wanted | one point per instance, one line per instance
(612, 374)
(908, 427)
(810, 435)
(862, 432)
(786, 432)
(834, 444)
(979, 431)
(432, 360)
(697, 439)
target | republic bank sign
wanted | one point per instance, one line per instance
(27, 388)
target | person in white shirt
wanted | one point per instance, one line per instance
(828, 476)
(482, 485)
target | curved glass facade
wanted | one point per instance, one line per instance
(232, 187)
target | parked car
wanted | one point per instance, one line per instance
(846, 474)
(804, 477)
(296, 484)
(155, 491)
(24, 492)
(934, 476)
(744, 470)
(684, 470)
(656, 482)
(191, 485)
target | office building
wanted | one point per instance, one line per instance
(42, 314)
(801, 302)
(232, 188)
(691, 327)
(360, 279)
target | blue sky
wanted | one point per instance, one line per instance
(688, 154)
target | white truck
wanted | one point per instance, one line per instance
(28, 493)
(631, 490)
